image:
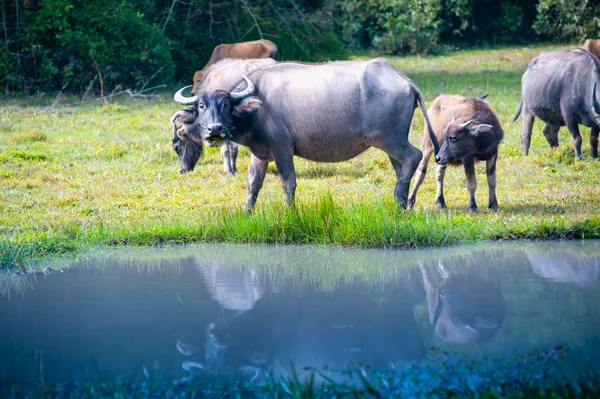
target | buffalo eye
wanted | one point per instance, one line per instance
(201, 107)
(225, 105)
(453, 138)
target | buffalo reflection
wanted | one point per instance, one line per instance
(468, 306)
(311, 329)
(565, 267)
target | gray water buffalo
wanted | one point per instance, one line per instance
(223, 75)
(245, 50)
(468, 131)
(559, 87)
(321, 112)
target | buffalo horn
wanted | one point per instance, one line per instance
(464, 125)
(240, 95)
(595, 100)
(180, 99)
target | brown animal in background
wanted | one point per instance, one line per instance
(468, 131)
(255, 49)
(592, 46)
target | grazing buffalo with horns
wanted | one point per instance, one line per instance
(223, 75)
(322, 112)
(559, 87)
(246, 50)
(468, 131)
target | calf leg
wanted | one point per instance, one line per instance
(574, 130)
(490, 168)
(551, 134)
(421, 172)
(256, 176)
(526, 126)
(229, 153)
(594, 141)
(440, 172)
(469, 164)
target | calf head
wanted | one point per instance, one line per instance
(216, 109)
(460, 141)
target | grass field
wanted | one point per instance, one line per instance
(105, 174)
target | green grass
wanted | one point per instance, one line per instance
(441, 375)
(72, 178)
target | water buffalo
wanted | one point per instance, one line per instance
(322, 112)
(469, 131)
(246, 50)
(592, 46)
(222, 74)
(559, 87)
(466, 306)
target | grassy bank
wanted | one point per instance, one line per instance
(105, 174)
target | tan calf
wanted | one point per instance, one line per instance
(468, 131)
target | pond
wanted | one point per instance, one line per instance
(207, 314)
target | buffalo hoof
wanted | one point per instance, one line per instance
(412, 200)
(440, 203)
(493, 207)
(472, 209)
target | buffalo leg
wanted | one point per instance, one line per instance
(594, 141)
(551, 134)
(574, 130)
(440, 172)
(287, 174)
(405, 170)
(256, 176)
(469, 165)
(229, 154)
(526, 126)
(420, 176)
(490, 169)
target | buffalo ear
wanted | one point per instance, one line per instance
(247, 106)
(483, 128)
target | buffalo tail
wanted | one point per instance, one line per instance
(518, 111)
(434, 141)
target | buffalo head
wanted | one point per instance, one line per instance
(216, 109)
(188, 151)
(460, 141)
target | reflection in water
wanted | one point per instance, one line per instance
(565, 265)
(214, 312)
(468, 306)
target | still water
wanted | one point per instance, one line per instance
(216, 311)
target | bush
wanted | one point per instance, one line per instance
(68, 43)
(568, 20)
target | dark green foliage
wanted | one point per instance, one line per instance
(69, 43)
(568, 20)
(53, 45)
(56, 44)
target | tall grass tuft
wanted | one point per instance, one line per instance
(12, 256)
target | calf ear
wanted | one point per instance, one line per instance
(247, 106)
(477, 129)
